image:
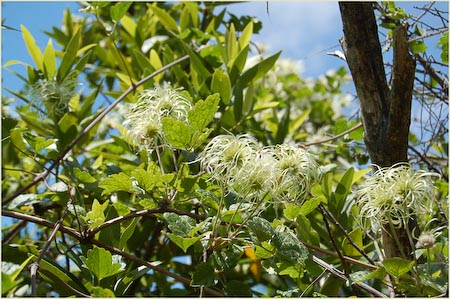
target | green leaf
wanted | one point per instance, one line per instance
(246, 35)
(54, 273)
(116, 182)
(119, 9)
(32, 48)
(443, 43)
(203, 276)
(236, 288)
(259, 70)
(100, 292)
(127, 233)
(70, 53)
(342, 190)
(179, 225)
(291, 211)
(417, 47)
(365, 275)
(177, 133)
(261, 228)
(24, 200)
(156, 63)
(289, 248)
(148, 179)
(83, 176)
(227, 258)
(100, 262)
(197, 63)
(50, 61)
(165, 19)
(183, 242)
(38, 142)
(203, 112)
(97, 213)
(221, 83)
(310, 205)
(357, 236)
(230, 43)
(397, 266)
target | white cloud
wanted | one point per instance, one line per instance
(303, 30)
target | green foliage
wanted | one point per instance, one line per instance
(135, 211)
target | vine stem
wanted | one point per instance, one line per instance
(332, 138)
(86, 130)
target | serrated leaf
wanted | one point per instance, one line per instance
(397, 266)
(203, 276)
(100, 262)
(165, 19)
(177, 133)
(179, 225)
(38, 142)
(69, 56)
(203, 112)
(310, 205)
(147, 179)
(83, 176)
(291, 211)
(289, 248)
(119, 9)
(97, 213)
(418, 47)
(183, 242)
(261, 228)
(116, 182)
(32, 48)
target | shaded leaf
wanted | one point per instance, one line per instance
(397, 266)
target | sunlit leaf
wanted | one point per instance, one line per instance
(100, 262)
(203, 112)
(119, 9)
(32, 48)
(116, 182)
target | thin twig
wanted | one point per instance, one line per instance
(338, 224)
(333, 137)
(151, 266)
(97, 119)
(340, 274)
(333, 241)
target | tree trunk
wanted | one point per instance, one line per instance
(386, 110)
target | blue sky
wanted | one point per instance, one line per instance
(303, 30)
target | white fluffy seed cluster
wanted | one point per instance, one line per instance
(393, 195)
(241, 165)
(55, 95)
(144, 117)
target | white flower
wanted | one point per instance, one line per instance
(144, 118)
(297, 171)
(54, 95)
(224, 155)
(395, 194)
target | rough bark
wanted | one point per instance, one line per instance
(386, 111)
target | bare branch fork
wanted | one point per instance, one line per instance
(132, 88)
